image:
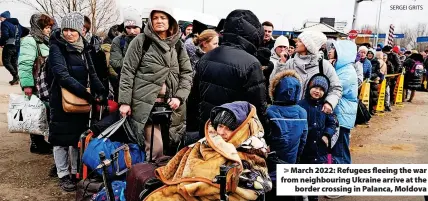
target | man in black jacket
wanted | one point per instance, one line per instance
(231, 72)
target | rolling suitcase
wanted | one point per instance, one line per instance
(141, 179)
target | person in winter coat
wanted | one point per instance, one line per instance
(205, 42)
(394, 67)
(10, 40)
(375, 78)
(346, 110)
(383, 70)
(263, 55)
(280, 52)
(97, 55)
(231, 72)
(364, 62)
(306, 64)
(233, 135)
(388, 83)
(414, 73)
(112, 33)
(187, 29)
(33, 46)
(320, 125)
(72, 68)
(162, 75)
(268, 40)
(288, 121)
(132, 25)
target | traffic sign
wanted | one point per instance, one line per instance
(353, 34)
(422, 39)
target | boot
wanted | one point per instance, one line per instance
(74, 179)
(53, 171)
(14, 81)
(33, 145)
(66, 184)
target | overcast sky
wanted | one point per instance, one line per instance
(285, 14)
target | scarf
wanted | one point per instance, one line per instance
(306, 60)
(36, 31)
(77, 44)
(88, 37)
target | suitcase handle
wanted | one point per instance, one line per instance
(112, 129)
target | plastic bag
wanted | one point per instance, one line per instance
(27, 116)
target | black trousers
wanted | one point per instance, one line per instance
(10, 59)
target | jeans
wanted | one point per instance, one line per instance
(62, 160)
(341, 153)
(10, 59)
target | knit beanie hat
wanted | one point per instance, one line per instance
(73, 20)
(5, 14)
(372, 51)
(396, 49)
(319, 81)
(281, 41)
(132, 18)
(364, 49)
(313, 40)
(226, 118)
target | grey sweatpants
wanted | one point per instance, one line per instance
(62, 157)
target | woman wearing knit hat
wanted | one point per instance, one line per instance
(159, 74)
(280, 52)
(186, 30)
(72, 67)
(307, 63)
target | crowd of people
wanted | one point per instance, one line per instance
(235, 85)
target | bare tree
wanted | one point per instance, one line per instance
(411, 34)
(103, 13)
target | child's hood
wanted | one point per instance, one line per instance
(346, 51)
(240, 110)
(285, 87)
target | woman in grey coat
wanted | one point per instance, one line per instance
(306, 64)
(161, 73)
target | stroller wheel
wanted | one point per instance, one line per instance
(333, 196)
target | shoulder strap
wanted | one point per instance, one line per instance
(178, 47)
(122, 44)
(146, 44)
(321, 66)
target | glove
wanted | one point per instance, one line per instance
(101, 99)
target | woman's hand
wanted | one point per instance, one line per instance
(125, 110)
(174, 103)
(28, 91)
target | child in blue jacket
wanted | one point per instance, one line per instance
(320, 124)
(288, 124)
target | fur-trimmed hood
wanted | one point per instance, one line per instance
(285, 88)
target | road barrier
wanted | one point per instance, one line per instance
(380, 106)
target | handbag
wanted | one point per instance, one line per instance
(27, 116)
(103, 143)
(73, 104)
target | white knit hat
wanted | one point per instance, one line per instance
(281, 41)
(132, 17)
(364, 49)
(313, 40)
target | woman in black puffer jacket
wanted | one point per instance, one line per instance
(414, 72)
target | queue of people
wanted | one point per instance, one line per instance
(241, 90)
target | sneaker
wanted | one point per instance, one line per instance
(66, 184)
(53, 171)
(74, 179)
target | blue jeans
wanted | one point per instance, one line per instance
(341, 153)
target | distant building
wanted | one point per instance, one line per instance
(339, 26)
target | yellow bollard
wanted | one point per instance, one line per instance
(380, 107)
(398, 91)
(365, 93)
